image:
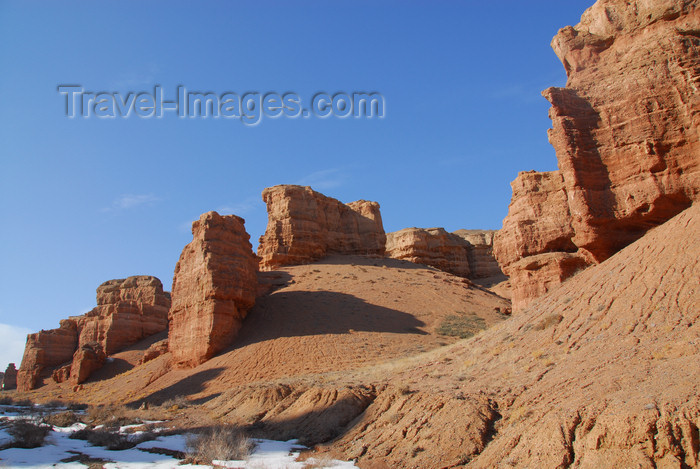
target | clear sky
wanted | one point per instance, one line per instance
(87, 200)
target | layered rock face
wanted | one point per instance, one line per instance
(305, 225)
(431, 246)
(467, 253)
(625, 130)
(46, 349)
(214, 286)
(482, 262)
(535, 246)
(127, 311)
(9, 378)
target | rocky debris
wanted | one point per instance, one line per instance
(88, 358)
(9, 378)
(430, 246)
(467, 253)
(155, 350)
(61, 374)
(127, 311)
(625, 134)
(214, 286)
(305, 225)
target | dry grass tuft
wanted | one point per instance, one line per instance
(112, 440)
(222, 442)
(462, 326)
(111, 416)
(27, 434)
(62, 419)
(549, 321)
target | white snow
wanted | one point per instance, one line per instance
(267, 454)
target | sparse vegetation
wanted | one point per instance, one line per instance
(112, 440)
(27, 434)
(462, 326)
(548, 321)
(23, 403)
(177, 402)
(62, 419)
(221, 442)
(110, 416)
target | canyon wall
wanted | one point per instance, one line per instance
(305, 225)
(482, 263)
(625, 131)
(127, 311)
(467, 253)
(214, 286)
(431, 246)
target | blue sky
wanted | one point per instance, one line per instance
(87, 200)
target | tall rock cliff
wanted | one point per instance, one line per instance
(305, 225)
(214, 286)
(127, 311)
(626, 134)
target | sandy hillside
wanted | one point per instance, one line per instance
(341, 313)
(602, 372)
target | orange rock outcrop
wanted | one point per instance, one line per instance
(467, 253)
(127, 311)
(305, 225)
(214, 286)
(8, 379)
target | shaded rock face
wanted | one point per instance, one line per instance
(467, 253)
(214, 286)
(88, 358)
(305, 225)
(482, 262)
(625, 130)
(9, 378)
(127, 311)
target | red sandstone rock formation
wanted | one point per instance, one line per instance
(535, 247)
(304, 225)
(46, 349)
(482, 263)
(431, 246)
(9, 378)
(214, 286)
(467, 253)
(88, 358)
(127, 311)
(625, 130)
